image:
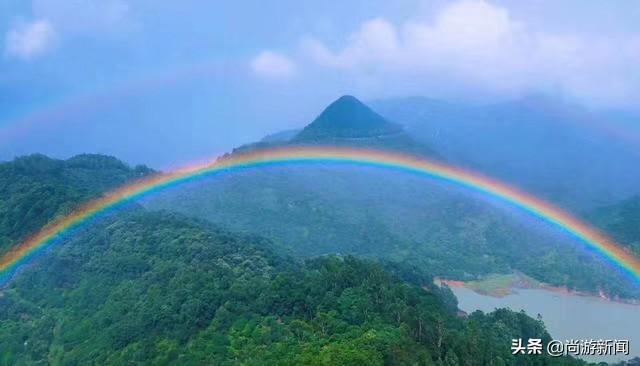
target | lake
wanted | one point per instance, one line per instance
(566, 316)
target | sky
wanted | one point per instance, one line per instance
(169, 82)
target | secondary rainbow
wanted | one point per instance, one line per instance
(593, 239)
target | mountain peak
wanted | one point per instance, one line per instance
(347, 99)
(347, 117)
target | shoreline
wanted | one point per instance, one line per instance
(519, 281)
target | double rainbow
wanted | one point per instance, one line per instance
(608, 249)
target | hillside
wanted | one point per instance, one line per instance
(622, 220)
(140, 288)
(35, 189)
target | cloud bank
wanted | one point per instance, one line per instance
(481, 45)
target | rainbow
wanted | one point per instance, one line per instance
(599, 243)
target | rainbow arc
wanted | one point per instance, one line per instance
(592, 238)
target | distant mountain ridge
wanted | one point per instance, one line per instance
(552, 148)
(281, 136)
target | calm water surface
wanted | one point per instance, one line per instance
(566, 316)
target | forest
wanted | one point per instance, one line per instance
(138, 287)
(159, 288)
(142, 286)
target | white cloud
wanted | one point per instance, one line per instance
(272, 65)
(86, 16)
(375, 41)
(482, 45)
(29, 40)
(58, 19)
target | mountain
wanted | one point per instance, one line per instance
(554, 149)
(239, 276)
(347, 122)
(323, 209)
(140, 287)
(347, 117)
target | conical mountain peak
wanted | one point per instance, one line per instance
(347, 117)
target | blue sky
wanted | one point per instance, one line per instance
(166, 82)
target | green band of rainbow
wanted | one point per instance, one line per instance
(595, 240)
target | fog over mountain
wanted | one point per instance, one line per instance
(553, 148)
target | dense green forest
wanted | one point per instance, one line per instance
(35, 189)
(140, 287)
(367, 212)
